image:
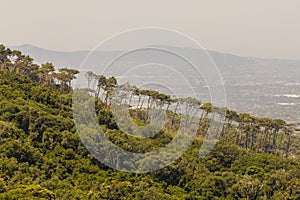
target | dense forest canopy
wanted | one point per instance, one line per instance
(42, 156)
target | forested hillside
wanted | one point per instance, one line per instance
(42, 156)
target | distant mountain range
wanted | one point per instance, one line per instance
(250, 69)
(254, 85)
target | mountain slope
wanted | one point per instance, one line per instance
(42, 157)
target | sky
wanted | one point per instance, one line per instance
(257, 28)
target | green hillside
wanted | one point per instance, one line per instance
(42, 156)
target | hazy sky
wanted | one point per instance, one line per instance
(263, 28)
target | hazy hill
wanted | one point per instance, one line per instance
(263, 87)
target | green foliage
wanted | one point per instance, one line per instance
(42, 157)
(28, 191)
